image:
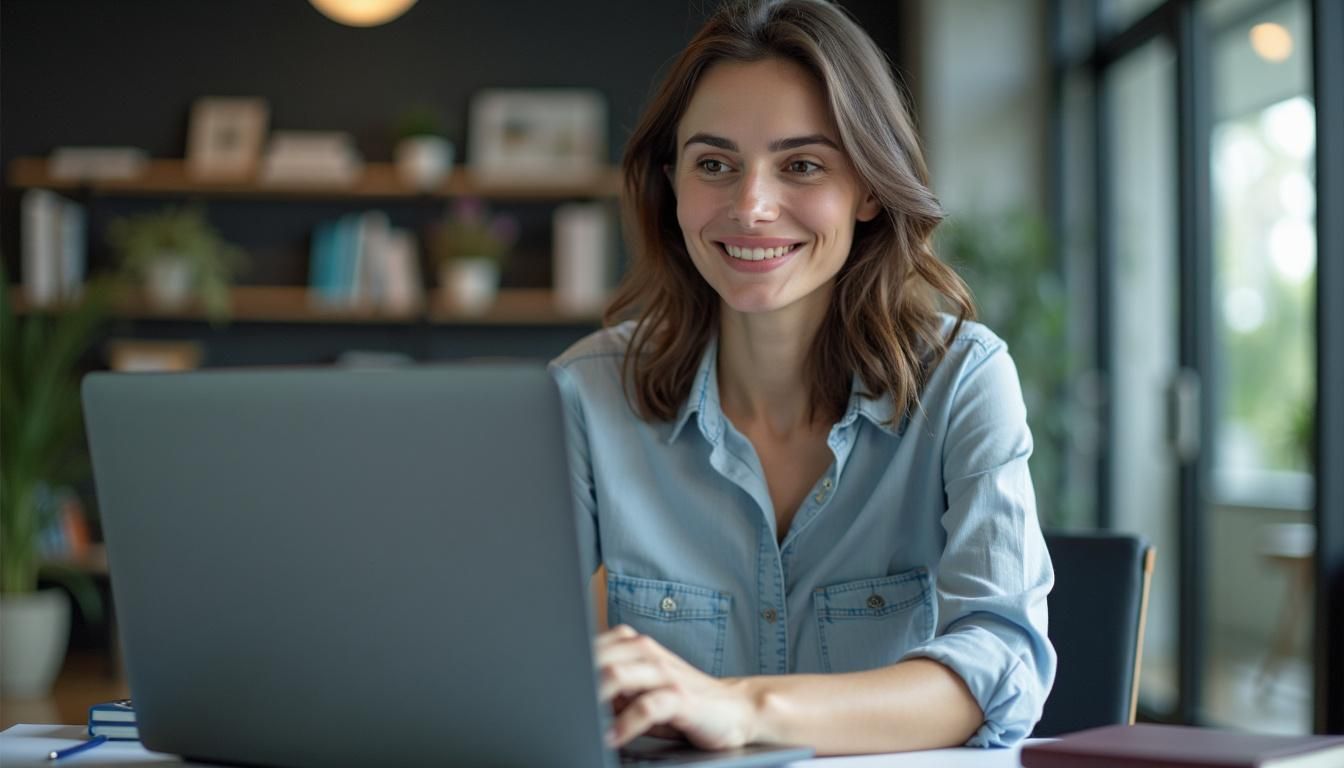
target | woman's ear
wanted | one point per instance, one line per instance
(869, 208)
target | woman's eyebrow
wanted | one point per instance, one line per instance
(778, 145)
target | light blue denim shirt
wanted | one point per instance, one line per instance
(920, 540)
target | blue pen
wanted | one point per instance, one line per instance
(57, 754)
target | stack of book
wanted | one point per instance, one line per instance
(361, 261)
(53, 231)
(311, 157)
(115, 720)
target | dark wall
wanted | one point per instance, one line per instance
(125, 72)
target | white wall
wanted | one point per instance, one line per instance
(984, 96)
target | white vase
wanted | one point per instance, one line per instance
(424, 162)
(168, 281)
(469, 285)
(34, 628)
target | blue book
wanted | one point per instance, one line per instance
(322, 276)
(113, 719)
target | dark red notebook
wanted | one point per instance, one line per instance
(1176, 746)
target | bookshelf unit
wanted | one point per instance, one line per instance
(169, 180)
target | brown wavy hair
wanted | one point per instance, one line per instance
(883, 321)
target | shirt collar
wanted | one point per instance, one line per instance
(703, 402)
(879, 410)
(703, 399)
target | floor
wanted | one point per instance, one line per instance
(84, 680)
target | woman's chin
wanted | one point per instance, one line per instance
(752, 303)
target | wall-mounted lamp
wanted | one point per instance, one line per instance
(362, 13)
(1271, 42)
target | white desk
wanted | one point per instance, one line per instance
(29, 745)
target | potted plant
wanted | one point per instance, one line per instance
(469, 245)
(41, 432)
(177, 256)
(424, 157)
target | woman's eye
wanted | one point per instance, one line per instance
(713, 166)
(805, 167)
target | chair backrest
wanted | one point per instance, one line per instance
(1097, 612)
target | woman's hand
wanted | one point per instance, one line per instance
(653, 691)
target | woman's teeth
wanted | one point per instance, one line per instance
(756, 254)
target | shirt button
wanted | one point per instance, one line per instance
(875, 602)
(769, 615)
(826, 483)
(669, 605)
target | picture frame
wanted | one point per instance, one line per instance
(225, 137)
(537, 136)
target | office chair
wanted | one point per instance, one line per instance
(1097, 613)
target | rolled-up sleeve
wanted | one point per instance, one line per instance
(994, 572)
(581, 469)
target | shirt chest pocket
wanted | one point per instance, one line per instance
(689, 621)
(871, 623)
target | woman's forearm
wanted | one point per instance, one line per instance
(916, 704)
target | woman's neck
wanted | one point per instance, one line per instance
(764, 381)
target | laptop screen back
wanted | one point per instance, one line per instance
(333, 567)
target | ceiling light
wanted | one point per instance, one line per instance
(1272, 42)
(362, 13)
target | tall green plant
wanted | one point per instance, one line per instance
(41, 425)
(1007, 261)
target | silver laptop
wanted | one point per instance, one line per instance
(339, 567)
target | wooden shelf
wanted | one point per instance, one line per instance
(296, 304)
(378, 181)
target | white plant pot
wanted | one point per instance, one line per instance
(469, 286)
(34, 628)
(168, 281)
(424, 162)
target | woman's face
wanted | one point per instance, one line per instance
(766, 199)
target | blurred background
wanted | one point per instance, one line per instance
(1133, 190)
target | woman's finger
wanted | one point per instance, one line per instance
(627, 649)
(614, 635)
(629, 678)
(651, 709)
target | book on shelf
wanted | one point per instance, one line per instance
(311, 157)
(581, 233)
(361, 261)
(114, 719)
(53, 233)
(1176, 746)
(97, 163)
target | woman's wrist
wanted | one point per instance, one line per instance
(761, 705)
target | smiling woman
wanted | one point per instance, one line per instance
(808, 484)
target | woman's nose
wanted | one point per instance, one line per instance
(755, 201)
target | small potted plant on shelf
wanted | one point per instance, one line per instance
(178, 257)
(41, 449)
(469, 245)
(424, 157)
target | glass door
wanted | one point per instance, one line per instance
(1260, 533)
(1142, 274)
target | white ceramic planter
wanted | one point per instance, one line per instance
(34, 628)
(470, 285)
(168, 281)
(424, 162)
